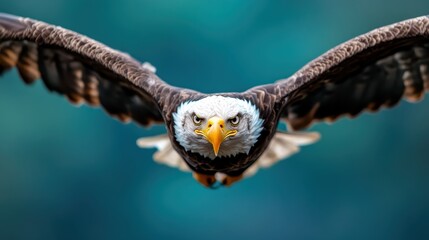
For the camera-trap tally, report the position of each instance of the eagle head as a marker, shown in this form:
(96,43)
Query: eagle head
(217,126)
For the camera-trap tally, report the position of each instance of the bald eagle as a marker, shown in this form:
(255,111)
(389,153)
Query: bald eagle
(223,137)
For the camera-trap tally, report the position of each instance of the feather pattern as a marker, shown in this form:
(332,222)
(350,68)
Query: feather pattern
(165,153)
(282,146)
(82,69)
(370,71)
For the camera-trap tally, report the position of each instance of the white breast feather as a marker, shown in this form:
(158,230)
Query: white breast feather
(165,154)
(282,146)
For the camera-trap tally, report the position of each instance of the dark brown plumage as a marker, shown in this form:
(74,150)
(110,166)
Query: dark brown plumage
(368,72)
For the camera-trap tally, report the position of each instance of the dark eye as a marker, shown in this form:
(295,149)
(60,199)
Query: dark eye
(235,120)
(197,120)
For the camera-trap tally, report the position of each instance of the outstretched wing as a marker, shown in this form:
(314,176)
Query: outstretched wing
(80,68)
(370,71)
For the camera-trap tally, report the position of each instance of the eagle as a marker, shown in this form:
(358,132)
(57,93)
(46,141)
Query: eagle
(224,137)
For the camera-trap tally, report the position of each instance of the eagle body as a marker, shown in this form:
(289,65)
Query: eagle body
(224,137)
(231,165)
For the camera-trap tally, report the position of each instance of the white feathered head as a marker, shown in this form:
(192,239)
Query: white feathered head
(217,126)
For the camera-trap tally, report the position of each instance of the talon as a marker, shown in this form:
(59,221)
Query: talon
(229,180)
(206,180)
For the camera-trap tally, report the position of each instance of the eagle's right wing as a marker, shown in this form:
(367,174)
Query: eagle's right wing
(81,69)
(368,72)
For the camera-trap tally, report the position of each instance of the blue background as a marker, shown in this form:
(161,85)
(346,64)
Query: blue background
(75,173)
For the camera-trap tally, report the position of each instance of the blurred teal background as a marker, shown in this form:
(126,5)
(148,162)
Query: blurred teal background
(75,173)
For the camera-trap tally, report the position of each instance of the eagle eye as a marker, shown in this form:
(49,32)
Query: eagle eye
(197,120)
(235,120)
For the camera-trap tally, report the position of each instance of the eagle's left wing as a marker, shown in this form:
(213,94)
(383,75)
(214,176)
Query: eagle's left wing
(83,70)
(370,71)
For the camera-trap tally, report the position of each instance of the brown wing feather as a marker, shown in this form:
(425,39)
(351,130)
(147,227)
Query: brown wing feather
(81,69)
(376,84)
(370,71)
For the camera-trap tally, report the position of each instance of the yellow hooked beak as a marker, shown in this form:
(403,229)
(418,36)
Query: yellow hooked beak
(216,133)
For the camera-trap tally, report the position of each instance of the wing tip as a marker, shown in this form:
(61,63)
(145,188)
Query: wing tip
(11,22)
